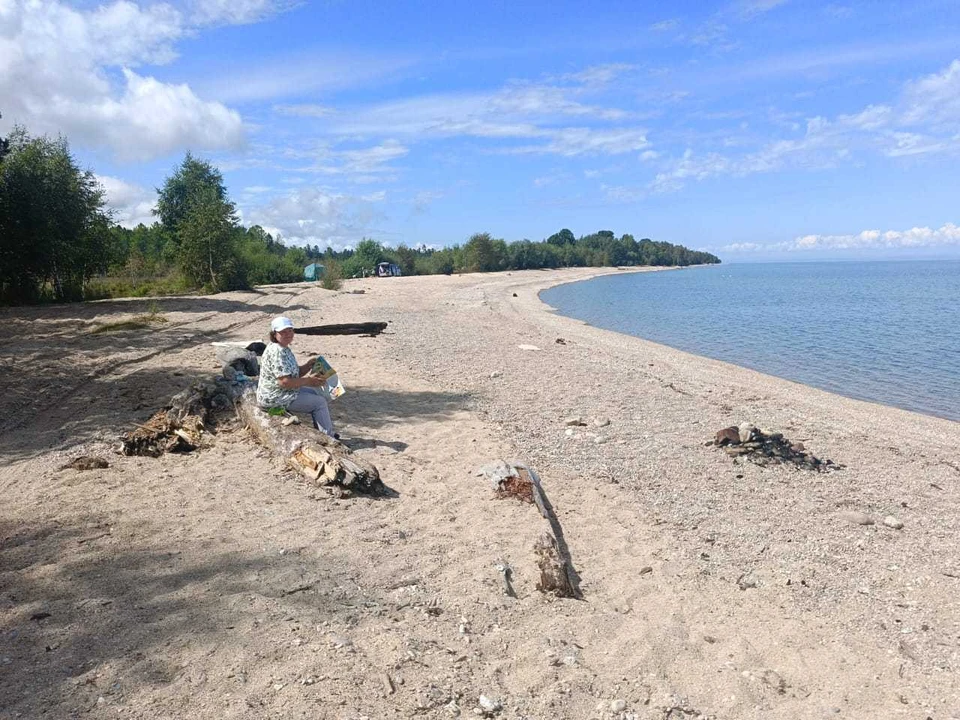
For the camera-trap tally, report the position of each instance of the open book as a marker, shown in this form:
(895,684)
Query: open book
(332,387)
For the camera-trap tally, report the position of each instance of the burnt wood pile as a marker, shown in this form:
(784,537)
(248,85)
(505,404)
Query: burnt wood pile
(763,447)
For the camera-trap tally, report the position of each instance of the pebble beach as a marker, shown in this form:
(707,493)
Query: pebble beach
(218,584)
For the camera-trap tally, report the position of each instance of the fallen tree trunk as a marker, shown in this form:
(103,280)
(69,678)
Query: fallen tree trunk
(318,457)
(370,329)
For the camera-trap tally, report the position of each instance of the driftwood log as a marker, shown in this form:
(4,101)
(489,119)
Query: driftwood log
(557,575)
(371,329)
(180,425)
(321,459)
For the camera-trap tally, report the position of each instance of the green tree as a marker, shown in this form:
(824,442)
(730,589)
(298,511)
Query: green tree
(54,231)
(364,259)
(564,237)
(481,254)
(406,258)
(192,179)
(207,252)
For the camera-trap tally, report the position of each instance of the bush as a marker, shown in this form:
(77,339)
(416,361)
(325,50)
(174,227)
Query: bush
(332,276)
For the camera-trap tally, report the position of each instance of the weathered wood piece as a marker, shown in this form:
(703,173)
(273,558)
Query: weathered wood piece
(371,329)
(557,575)
(556,568)
(179,426)
(318,457)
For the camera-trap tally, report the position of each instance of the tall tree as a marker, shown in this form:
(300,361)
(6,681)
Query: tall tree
(207,253)
(53,227)
(191,180)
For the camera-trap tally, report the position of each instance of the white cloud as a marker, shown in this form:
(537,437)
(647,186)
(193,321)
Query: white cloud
(918,237)
(70,71)
(359,164)
(925,119)
(304,110)
(947,235)
(518,111)
(934,99)
(296,74)
(234,12)
(316,216)
(623,193)
(131,204)
(750,8)
(596,77)
(665,25)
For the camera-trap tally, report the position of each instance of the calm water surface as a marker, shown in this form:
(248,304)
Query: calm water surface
(887,332)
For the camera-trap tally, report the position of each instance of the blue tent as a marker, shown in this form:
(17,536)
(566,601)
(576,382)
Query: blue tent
(313,271)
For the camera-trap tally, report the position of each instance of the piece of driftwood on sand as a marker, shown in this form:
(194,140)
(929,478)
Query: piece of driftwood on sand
(371,329)
(318,457)
(180,427)
(557,575)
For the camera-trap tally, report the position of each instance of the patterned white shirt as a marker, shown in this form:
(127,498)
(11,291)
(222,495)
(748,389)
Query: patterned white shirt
(276,362)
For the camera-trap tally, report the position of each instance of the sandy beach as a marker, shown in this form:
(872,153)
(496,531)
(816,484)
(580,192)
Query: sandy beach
(218,584)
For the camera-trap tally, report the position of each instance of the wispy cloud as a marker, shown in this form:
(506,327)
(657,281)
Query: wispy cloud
(924,119)
(947,235)
(751,8)
(306,110)
(299,73)
(235,12)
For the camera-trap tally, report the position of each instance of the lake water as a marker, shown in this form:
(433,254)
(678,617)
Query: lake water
(887,332)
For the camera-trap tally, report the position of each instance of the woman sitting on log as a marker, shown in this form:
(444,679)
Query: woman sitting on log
(285,384)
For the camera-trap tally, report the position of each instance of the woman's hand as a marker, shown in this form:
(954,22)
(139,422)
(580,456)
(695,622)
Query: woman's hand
(307,366)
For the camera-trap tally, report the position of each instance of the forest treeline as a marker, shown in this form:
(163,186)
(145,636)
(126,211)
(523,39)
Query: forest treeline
(59,242)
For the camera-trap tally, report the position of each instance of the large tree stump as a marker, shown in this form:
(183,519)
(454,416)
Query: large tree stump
(318,457)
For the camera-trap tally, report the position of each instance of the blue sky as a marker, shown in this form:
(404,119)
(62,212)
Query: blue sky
(755,129)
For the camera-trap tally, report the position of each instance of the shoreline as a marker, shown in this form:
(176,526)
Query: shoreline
(835,392)
(717,586)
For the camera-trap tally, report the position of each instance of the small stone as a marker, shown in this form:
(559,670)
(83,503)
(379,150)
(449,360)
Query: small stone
(489,704)
(601,422)
(891,522)
(746,582)
(339,641)
(570,432)
(528,347)
(728,436)
(618,706)
(856,517)
(746,432)
(599,439)
(574,421)
(646,570)
(496,374)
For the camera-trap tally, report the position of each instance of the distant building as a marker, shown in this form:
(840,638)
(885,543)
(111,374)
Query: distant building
(388,269)
(313,271)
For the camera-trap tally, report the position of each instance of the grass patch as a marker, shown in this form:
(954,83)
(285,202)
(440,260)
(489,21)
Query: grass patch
(151,317)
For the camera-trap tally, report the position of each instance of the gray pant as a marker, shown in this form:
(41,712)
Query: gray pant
(309,400)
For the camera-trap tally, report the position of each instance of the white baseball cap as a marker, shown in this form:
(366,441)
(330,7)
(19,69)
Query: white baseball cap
(281,323)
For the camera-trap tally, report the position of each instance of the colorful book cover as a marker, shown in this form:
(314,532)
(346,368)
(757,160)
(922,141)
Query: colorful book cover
(332,388)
